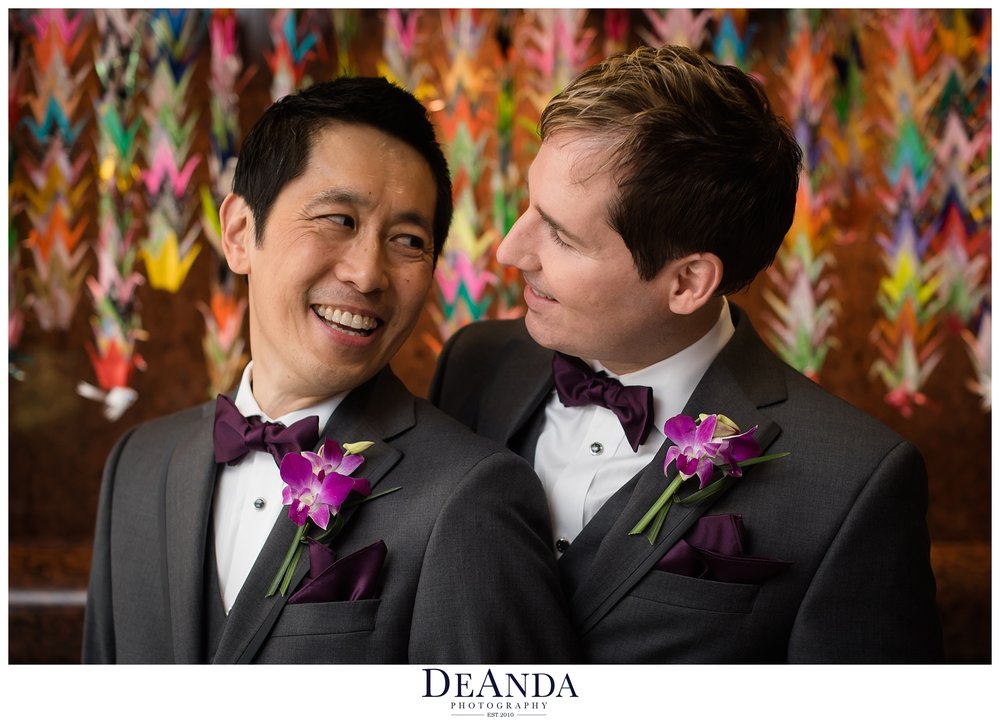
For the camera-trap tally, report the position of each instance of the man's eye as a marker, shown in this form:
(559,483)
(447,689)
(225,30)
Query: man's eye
(340,219)
(554,234)
(414,242)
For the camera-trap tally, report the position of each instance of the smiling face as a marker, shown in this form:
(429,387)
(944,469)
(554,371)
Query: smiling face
(343,268)
(583,292)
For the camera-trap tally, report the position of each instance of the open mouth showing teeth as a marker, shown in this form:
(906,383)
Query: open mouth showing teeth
(541,295)
(346,321)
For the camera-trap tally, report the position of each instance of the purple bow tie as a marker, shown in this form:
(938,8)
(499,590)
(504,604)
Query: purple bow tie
(580,385)
(235,435)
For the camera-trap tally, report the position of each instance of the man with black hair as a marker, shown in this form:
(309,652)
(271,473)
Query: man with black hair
(341,203)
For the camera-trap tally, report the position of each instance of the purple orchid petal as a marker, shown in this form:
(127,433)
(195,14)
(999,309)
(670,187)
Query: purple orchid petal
(742,447)
(315,460)
(332,453)
(687,466)
(298,513)
(704,471)
(706,431)
(295,470)
(711,448)
(349,464)
(336,488)
(320,514)
(672,453)
(679,429)
(362,487)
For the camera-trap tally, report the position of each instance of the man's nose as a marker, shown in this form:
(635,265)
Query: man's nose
(363,266)
(518,246)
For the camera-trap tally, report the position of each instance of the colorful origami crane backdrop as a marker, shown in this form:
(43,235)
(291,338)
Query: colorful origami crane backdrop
(125,126)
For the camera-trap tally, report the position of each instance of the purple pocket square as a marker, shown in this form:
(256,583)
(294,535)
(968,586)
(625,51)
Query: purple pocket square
(356,576)
(713,549)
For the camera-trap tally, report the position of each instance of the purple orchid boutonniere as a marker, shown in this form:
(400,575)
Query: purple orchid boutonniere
(700,447)
(317,487)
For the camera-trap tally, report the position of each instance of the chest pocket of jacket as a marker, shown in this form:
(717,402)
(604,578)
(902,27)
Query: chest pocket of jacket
(326,618)
(700,594)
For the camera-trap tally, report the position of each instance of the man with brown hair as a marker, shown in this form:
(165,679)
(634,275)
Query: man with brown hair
(664,181)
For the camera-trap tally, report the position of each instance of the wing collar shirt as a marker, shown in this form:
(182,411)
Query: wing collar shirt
(248,496)
(582,456)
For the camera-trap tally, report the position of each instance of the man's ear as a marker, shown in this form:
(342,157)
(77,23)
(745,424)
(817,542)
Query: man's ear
(237,231)
(693,281)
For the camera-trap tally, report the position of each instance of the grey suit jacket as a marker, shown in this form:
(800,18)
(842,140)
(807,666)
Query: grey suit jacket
(468,577)
(847,508)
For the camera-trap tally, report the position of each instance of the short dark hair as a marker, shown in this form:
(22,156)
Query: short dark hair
(701,161)
(277,148)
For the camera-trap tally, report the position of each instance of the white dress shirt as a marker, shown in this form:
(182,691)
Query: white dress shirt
(248,496)
(583,457)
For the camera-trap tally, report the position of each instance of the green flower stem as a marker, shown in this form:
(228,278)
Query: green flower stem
(654,510)
(332,531)
(762,459)
(720,484)
(284,576)
(290,570)
(708,492)
(363,499)
(654,530)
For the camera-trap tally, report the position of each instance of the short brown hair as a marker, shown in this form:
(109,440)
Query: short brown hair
(701,160)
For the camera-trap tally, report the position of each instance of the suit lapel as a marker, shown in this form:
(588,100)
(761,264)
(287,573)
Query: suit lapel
(376,411)
(253,614)
(622,560)
(188,487)
(523,373)
(743,377)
